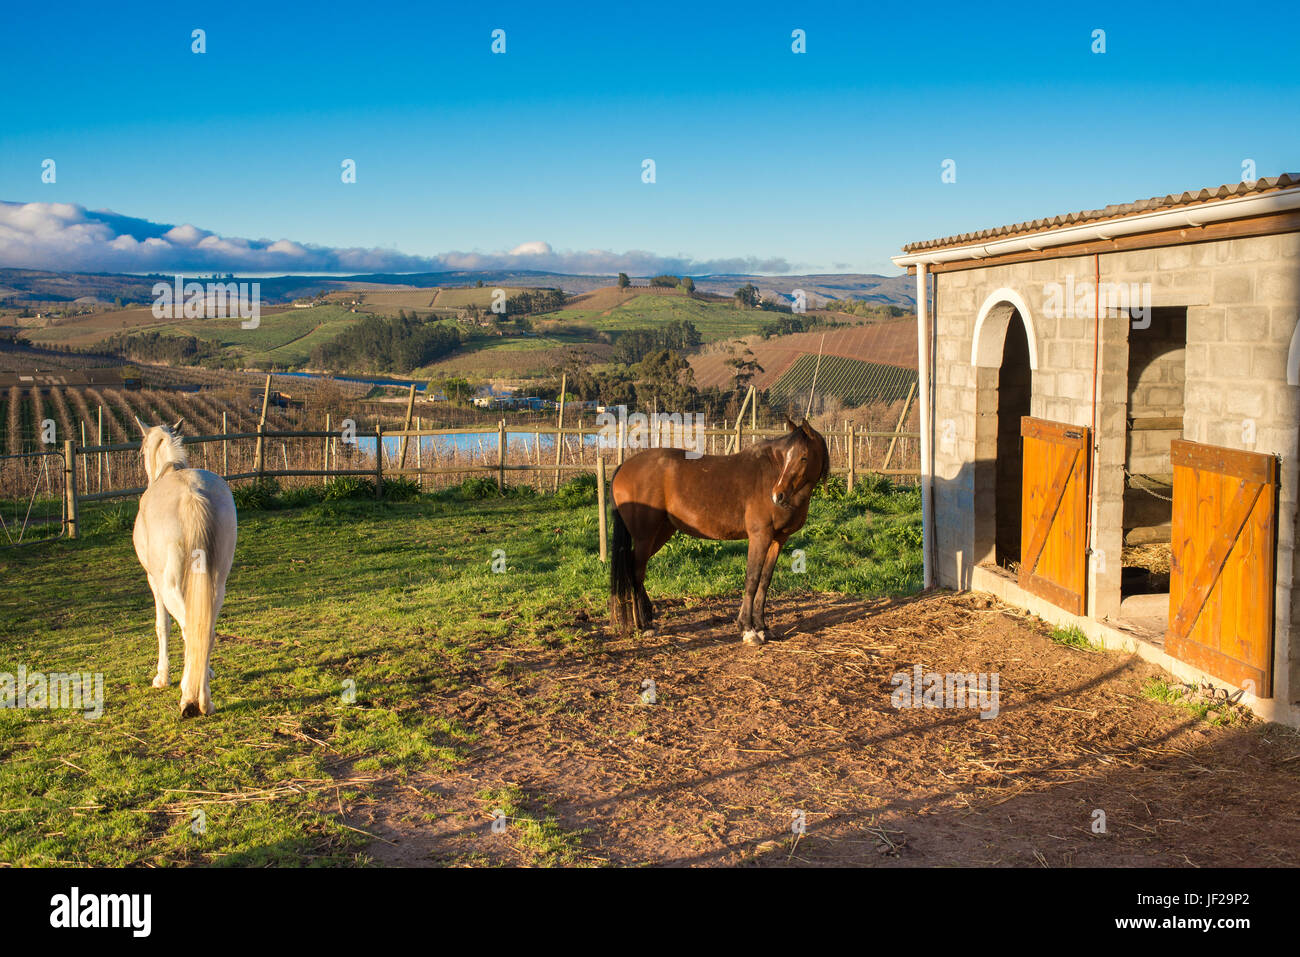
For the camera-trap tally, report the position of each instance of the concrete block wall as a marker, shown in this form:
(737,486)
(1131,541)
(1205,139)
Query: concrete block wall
(1242,298)
(1157,367)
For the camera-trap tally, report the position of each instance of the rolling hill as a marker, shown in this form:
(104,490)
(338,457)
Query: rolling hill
(18,286)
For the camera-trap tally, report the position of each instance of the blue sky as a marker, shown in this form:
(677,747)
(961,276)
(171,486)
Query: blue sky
(825,161)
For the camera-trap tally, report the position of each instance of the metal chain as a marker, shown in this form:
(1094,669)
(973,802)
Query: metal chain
(1142,488)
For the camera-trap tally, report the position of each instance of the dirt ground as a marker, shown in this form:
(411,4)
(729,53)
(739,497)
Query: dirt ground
(743,744)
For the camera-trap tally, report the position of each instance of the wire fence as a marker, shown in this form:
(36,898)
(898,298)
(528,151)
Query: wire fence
(35,511)
(432,458)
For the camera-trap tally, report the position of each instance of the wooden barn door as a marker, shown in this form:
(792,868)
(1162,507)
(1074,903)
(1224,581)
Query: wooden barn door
(1054,512)
(1222,567)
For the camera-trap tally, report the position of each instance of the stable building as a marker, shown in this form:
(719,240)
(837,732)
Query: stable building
(1111,427)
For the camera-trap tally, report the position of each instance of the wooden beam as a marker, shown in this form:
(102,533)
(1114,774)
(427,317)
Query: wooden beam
(1156,423)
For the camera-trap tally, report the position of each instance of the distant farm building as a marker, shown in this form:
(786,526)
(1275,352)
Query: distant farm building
(1111,427)
(101,378)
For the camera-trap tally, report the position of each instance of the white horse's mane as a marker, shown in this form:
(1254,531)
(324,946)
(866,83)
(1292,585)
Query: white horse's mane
(161,447)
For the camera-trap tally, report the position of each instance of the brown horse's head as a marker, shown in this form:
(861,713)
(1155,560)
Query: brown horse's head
(804,460)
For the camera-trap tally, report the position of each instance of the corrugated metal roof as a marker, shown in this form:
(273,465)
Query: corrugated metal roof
(1171,201)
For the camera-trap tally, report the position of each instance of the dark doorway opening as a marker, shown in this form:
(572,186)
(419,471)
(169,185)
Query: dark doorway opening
(1015,387)
(1157,358)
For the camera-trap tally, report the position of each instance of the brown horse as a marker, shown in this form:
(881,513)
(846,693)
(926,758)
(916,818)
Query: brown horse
(761,493)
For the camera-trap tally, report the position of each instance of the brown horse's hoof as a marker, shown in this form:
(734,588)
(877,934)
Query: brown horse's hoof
(752,637)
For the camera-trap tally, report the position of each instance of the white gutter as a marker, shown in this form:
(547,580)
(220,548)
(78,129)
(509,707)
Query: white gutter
(1216,211)
(923,387)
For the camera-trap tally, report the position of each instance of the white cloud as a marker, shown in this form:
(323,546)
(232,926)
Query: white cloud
(69,238)
(535,248)
(186,235)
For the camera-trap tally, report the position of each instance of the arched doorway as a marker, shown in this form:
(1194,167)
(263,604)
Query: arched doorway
(1004,352)
(1015,388)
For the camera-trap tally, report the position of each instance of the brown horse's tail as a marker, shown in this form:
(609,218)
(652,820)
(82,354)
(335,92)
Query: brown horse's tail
(622,578)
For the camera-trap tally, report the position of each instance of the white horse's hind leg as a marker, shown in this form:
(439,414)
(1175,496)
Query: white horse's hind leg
(218,601)
(174,600)
(162,626)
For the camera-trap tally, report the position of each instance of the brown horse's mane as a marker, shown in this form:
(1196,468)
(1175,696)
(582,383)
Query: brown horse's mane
(812,433)
(761,452)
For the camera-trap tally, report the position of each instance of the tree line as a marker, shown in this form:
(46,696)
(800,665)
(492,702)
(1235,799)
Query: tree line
(158,347)
(632,346)
(376,344)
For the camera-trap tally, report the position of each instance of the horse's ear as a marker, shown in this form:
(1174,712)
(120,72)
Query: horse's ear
(144,429)
(177,427)
(806,428)
(789,424)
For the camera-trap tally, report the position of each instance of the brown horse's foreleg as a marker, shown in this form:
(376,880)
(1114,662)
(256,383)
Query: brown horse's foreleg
(764,580)
(645,550)
(758,547)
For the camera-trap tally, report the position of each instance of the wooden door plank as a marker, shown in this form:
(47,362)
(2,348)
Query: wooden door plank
(1053,497)
(1238,513)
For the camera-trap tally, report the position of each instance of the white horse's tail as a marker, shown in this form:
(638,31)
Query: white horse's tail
(200,593)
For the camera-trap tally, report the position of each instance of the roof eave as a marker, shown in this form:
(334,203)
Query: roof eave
(1239,207)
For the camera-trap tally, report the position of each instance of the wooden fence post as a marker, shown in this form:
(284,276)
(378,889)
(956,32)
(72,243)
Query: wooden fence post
(70,485)
(259,464)
(225,463)
(99,459)
(379,460)
(419,452)
(325,454)
(406,427)
(559,424)
(501,456)
(600,502)
(907,405)
(851,437)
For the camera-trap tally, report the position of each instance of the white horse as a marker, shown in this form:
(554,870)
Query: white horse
(185,539)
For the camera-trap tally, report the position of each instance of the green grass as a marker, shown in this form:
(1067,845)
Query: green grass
(1072,637)
(538,836)
(714,320)
(395,599)
(286,338)
(1218,714)
(537,355)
